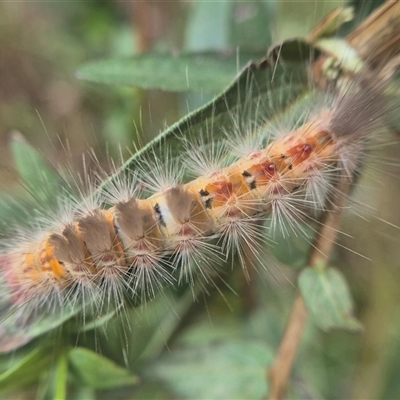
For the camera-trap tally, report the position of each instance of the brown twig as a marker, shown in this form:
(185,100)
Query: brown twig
(320,251)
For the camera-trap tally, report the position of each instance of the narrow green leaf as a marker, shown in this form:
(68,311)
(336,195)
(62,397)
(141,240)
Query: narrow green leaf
(27,370)
(205,72)
(60,379)
(99,372)
(224,370)
(328,299)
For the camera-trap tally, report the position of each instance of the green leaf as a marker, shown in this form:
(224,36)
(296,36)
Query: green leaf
(99,372)
(203,332)
(252,24)
(167,322)
(205,72)
(27,370)
(150,391)
(84,393)
(60,378)
(16,329)
(143,331)
(32,166)
(225,370)
(328,299)
(202,16)
(290,249)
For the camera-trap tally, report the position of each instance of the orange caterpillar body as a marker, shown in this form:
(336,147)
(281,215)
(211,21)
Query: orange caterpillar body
(137,233)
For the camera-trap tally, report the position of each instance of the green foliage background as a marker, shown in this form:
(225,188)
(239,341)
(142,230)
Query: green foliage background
(218,346)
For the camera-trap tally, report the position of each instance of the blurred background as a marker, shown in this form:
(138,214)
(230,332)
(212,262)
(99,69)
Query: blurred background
(42,44)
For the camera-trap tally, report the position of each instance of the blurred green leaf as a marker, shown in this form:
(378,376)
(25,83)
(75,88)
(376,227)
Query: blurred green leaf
(61,378)
(95,320)
(32,166)
(290,249)
(138,334)
(99,372)
(169,322)
(27,370)
(225,327)
(14,334)
(328,299)
(205,72)
(208,25)
(251,24)
(151,391)
(84,393)
(223,370)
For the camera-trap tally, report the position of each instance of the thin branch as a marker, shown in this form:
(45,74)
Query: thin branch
(320,251)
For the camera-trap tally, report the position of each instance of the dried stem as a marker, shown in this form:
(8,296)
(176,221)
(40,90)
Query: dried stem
(320,251)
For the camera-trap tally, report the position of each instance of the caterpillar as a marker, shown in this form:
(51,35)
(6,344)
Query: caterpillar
(124,243)
(139,234)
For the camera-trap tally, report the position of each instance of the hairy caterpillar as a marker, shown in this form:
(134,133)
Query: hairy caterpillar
(152,226)
(123,242)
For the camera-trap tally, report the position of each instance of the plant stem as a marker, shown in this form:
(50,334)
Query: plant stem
(320,252)
(280,371)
